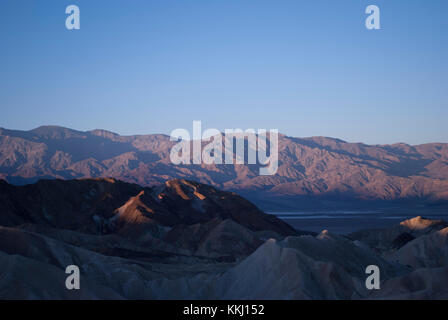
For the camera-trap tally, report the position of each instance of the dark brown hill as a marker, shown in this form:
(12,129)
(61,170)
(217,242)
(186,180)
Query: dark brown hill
(102,206)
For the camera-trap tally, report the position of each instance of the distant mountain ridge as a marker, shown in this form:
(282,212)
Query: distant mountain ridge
(309,168)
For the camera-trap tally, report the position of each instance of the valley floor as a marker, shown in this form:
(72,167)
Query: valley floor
(346,222)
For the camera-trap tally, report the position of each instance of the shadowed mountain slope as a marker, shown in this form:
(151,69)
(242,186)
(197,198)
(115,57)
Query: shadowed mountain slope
(101,206)
(186,240)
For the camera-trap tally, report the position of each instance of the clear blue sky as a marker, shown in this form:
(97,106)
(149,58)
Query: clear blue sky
(304,67)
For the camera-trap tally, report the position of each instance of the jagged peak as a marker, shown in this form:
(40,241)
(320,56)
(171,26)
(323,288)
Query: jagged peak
(419,223)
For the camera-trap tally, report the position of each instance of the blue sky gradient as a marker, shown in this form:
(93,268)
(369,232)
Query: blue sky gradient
(304,67)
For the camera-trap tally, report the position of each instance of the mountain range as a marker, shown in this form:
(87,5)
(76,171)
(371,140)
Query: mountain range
(316,172)
(186,240)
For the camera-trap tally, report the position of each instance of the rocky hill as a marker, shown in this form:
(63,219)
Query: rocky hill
(185,240)
(188,215)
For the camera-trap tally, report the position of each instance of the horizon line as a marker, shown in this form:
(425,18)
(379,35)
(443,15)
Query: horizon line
(168,135)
